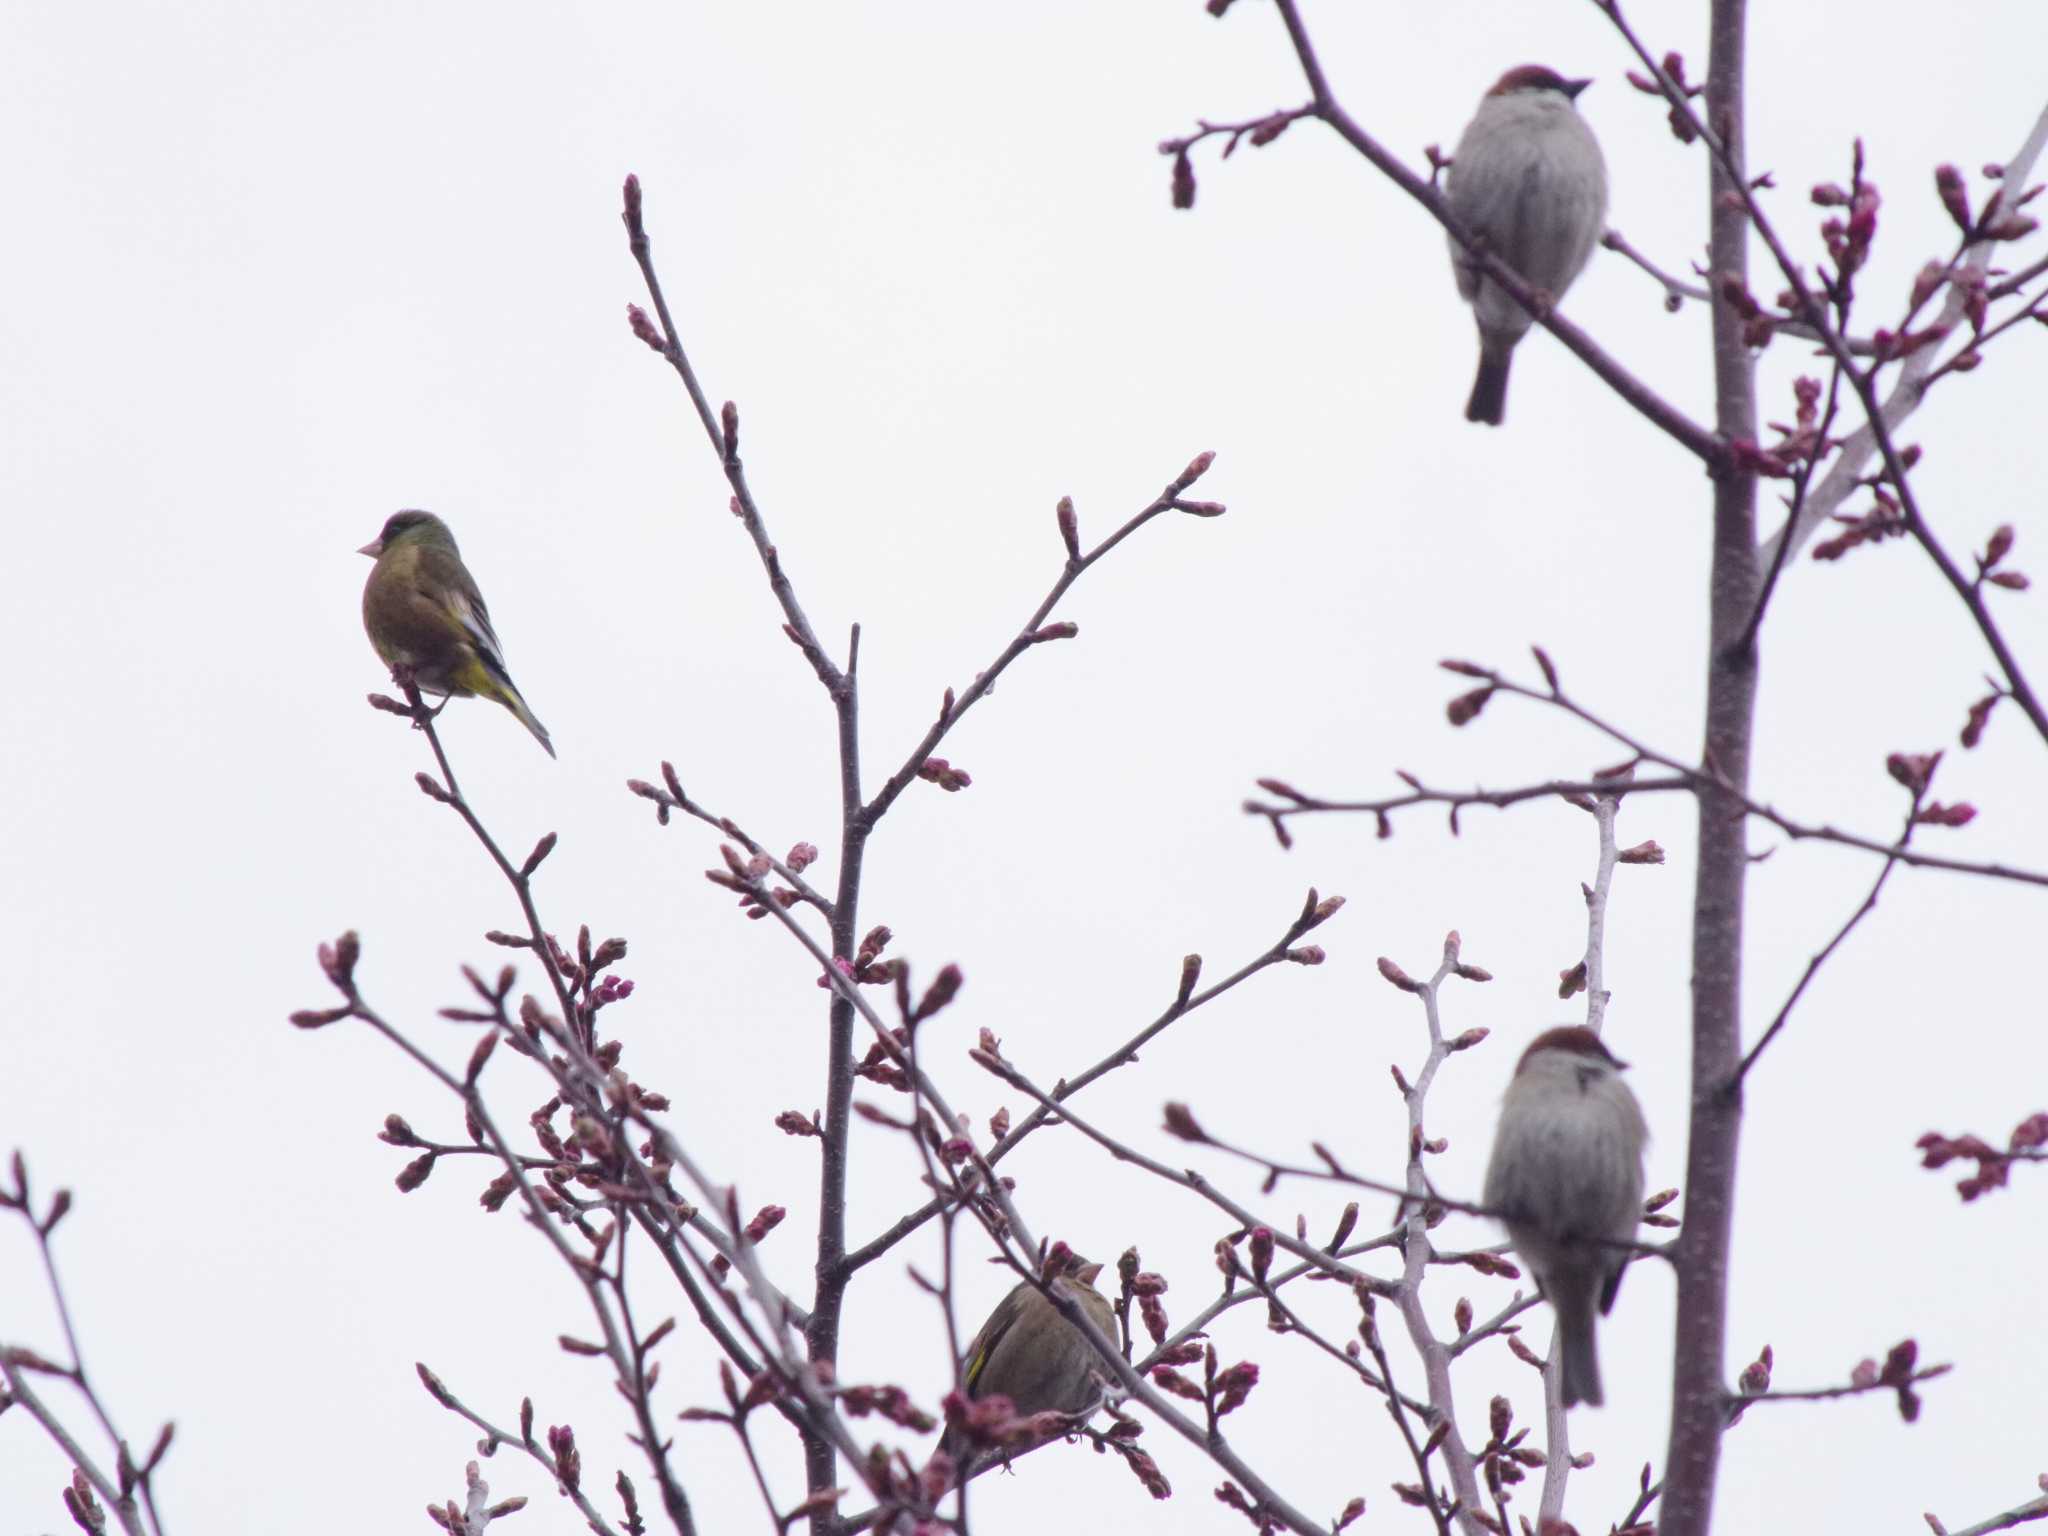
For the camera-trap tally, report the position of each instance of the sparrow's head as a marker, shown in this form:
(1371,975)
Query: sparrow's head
(1571,1043)
(1537,77)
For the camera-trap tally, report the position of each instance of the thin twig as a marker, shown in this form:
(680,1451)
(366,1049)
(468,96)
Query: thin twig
(498,1436)
(119,1492)
(1695,778)
(2021,1514)
(1417,1250)
(724,437)
(1572,791)
(1814,964)
(1676,292)
(1313,914)
(1172,498)
(1829,1394)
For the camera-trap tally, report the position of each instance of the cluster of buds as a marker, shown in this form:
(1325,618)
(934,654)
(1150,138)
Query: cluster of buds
(1121,1437)
(1754,1381)
(1673,66)
(891,1403)
(667,796)
(936,770)
(1219,1391)
(1145,1287)
(338,965)
(1848,235)
(1980,714)
(1994,1165)
(1884,520)
(867,968)
(1996,548)
(745,877)
(883,1065)
(1505,1460)
(1997,222)
(1758,324)
(993,1422)
(1801,443)
(1899,1373)
(1915,772)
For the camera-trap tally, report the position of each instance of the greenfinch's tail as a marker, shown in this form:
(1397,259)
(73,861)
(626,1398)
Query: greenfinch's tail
(511,700)
(487,682)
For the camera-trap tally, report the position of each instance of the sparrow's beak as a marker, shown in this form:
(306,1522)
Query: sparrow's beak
(373,549)
(1573,87)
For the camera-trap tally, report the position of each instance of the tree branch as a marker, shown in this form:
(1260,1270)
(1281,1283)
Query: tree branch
(1700,1337)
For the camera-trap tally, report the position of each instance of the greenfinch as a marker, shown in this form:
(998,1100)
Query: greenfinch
(425,616)
(1033,1356)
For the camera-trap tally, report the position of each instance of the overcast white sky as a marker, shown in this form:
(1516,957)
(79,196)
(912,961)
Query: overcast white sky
(278,270)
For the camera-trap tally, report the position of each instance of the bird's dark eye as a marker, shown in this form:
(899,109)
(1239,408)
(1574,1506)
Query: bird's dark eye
(398,522)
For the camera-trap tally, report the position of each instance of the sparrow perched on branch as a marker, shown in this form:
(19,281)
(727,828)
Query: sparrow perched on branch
(425,616)
(1567,1179)
(1527,179)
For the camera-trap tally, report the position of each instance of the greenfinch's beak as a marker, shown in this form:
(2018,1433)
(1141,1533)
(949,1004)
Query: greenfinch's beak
(373,549)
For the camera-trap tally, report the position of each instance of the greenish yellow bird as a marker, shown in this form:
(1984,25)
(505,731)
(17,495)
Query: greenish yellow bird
(1033,1356)
(424,614)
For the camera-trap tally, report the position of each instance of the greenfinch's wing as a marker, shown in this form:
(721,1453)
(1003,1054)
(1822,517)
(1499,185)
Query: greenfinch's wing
(984,1343)
(444,577)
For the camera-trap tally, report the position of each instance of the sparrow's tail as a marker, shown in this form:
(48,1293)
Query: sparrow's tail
(1489,400)
(1580,1366)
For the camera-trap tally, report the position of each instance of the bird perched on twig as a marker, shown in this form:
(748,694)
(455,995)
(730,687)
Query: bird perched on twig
(1030,1354)
(1528,180)
(1567,1178)
(427,620)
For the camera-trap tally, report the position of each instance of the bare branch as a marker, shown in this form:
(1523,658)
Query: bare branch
(1172,498)
(2018,1515)
(120,1490)
(571,1489)
(1315,912)
(1813,965)
(1695,778)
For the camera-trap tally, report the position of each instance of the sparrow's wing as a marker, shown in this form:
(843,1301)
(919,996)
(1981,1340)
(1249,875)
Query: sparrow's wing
(1613,1285)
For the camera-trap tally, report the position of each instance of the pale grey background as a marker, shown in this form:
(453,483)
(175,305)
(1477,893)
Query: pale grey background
(277,270)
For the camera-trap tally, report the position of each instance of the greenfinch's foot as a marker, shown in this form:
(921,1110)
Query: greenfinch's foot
(407,680)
